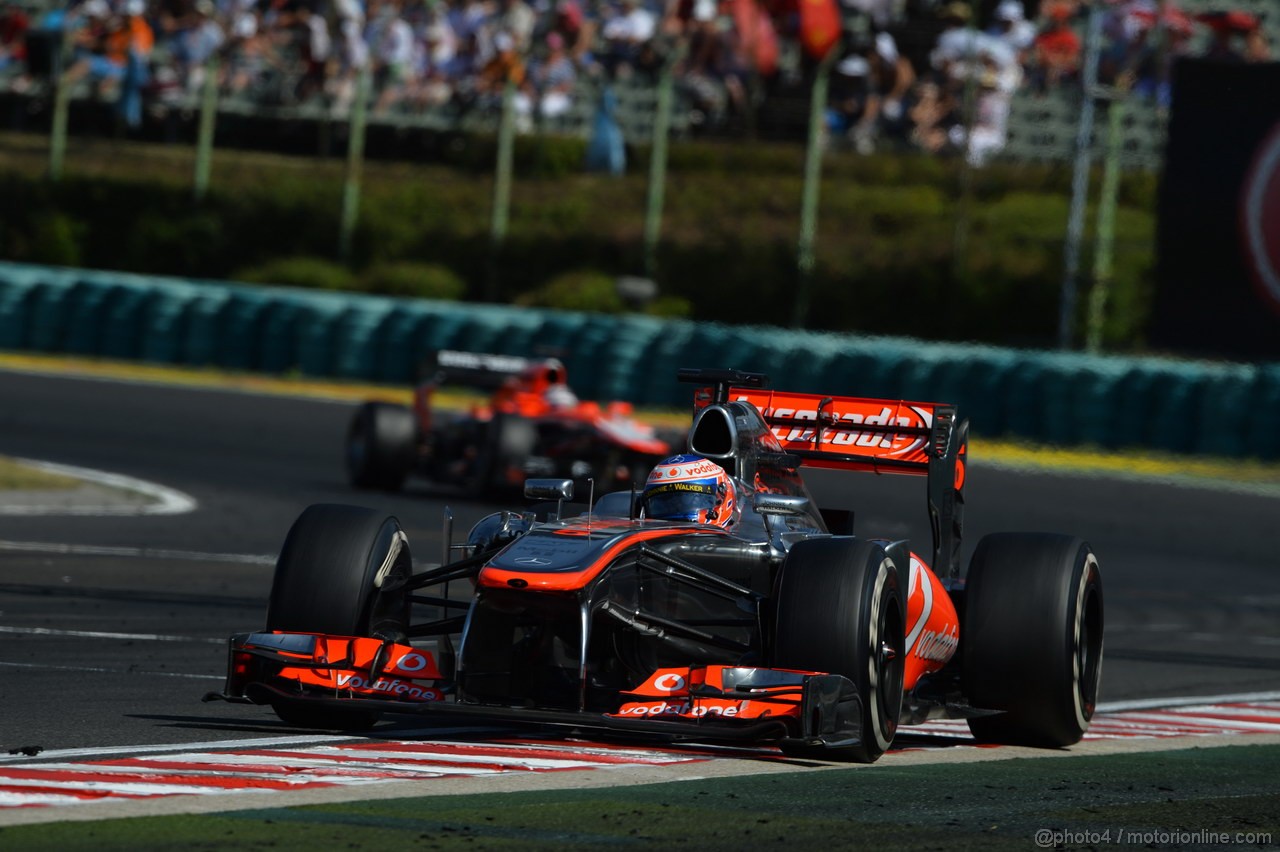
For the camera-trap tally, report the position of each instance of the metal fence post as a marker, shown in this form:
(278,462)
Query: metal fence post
(658,160)
(61,106)
(355,165)
(208,120)
(964,205)
(812,183)
(1106,227)
(1080,180)
(501,186)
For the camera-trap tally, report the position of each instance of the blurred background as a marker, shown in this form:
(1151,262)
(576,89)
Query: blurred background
(1053,175)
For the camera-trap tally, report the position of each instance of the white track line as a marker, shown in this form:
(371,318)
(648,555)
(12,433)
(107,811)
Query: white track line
(164,500)
(134,552)
(253,742)
(97,634)
(1186,701)
(98,670)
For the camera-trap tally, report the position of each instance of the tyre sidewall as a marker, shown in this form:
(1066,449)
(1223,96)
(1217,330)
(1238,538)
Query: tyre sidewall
(835,601)
(1029,599)
(327,576)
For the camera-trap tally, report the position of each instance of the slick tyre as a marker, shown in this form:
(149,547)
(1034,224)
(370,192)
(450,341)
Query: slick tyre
(1031,638)
(509,442)
(344,571)
(840,610)
(381,448)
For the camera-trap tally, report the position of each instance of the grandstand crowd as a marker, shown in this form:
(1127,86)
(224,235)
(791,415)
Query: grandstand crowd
(913,74)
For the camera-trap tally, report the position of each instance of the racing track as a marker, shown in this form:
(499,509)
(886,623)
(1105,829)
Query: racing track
(111,628)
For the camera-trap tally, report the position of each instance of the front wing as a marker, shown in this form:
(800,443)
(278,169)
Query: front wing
(712,702)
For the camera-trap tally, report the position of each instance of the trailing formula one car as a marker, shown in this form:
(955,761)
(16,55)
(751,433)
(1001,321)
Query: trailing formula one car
(532,425)
(720,603)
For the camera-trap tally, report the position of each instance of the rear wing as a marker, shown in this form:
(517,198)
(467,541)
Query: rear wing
(481,370)
(856,433)
(863,434)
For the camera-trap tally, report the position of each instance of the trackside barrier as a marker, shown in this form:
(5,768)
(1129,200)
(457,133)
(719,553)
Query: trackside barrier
(1221,409)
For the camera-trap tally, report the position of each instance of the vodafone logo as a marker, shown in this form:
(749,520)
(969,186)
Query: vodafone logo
(411,662)
(668,683)
(1260,219)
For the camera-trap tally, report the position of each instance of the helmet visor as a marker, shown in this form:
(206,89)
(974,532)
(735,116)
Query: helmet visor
(680,501)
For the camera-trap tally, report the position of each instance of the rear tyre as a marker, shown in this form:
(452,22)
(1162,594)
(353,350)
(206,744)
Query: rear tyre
(840,610)
(508,444)
(343,571)
(1031,638)
(382,443)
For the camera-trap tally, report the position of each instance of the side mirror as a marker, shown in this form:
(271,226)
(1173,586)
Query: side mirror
(548,489)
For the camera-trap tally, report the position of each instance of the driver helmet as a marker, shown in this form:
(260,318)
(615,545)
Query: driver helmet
(689,488)
(560,396)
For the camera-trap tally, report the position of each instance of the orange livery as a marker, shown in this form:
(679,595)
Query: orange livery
(719,603)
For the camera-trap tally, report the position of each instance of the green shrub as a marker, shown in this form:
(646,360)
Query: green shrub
(583,290)
(671,307)
(51,238)
(883,264)
(410,278)
(312,272)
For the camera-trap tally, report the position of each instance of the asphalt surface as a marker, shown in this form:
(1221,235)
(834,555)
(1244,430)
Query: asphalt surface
(112,628)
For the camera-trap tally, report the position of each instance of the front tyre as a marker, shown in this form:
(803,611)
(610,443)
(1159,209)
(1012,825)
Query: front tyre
(1031,638)
(840,610)
(343,571)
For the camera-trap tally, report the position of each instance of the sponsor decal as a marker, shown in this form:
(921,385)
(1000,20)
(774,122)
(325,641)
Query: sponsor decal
(668,683)
(532,560)
(938,645)
(682,470)
(411,662)
(393,686)
(681,708)
(839,435)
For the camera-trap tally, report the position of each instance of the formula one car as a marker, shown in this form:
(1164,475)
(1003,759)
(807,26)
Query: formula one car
(532,425)
(767,621)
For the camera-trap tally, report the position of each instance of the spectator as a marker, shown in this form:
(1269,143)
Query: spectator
(192,40)
(1230,41)
(503,66)
(623,34)
(1012,28)
(433,84)
(578,32)
(515,18)
(1256,48)
(351,56)
(548,88)
(883,13)
(869,89)
(390,40)
(990,124)
(934,117)
(14,24)
(1056,50)
(317,50)
(106,45)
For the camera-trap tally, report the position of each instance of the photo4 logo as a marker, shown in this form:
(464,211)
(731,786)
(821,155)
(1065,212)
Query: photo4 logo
(1260,219)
